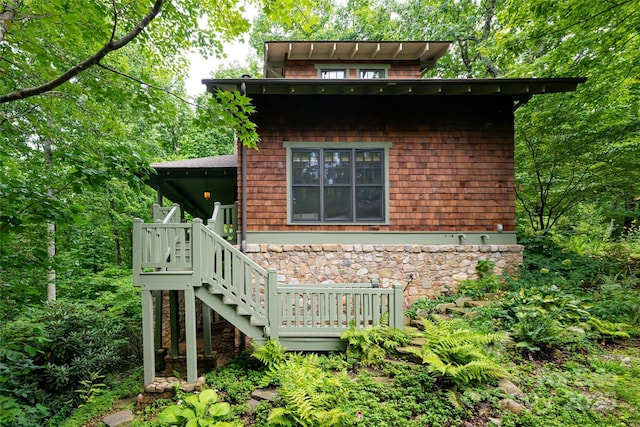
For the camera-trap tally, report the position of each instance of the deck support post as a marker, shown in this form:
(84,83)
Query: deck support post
(174,322)
(190,334)
(158,317)
(206,329)
(148,348)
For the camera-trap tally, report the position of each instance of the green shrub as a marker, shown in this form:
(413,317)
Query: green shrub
(50,352)
(487,281)
(198,410)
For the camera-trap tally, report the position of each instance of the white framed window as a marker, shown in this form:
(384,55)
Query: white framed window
(372,73)
(333,73)
(359,71)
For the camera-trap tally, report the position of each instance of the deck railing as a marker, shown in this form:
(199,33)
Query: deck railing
(237,276)
(171,255)
(224,221)
(166,214)
(330,309)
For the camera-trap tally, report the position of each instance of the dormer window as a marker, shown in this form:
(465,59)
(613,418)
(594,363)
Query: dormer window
(373,73)
(352,71)
(328,73)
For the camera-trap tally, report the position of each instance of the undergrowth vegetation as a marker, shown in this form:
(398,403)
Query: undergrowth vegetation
(556,344)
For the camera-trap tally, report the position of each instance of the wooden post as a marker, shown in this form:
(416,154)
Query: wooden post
(190,333)
(174,322)
(206,328)
(398,311)
(271,303)
(147,338)
(196,251)
(158,321)
(136,251)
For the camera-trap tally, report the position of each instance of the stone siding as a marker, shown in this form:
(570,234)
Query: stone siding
(425,270)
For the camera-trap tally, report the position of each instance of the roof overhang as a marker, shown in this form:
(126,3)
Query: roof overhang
(519,89)
(185,181)
(426,52)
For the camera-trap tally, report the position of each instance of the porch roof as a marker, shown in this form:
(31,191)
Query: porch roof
(185,181)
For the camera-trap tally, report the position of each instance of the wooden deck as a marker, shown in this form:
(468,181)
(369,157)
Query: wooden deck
(202,262)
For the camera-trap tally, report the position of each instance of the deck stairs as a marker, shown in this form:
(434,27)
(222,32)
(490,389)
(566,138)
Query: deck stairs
(203,262)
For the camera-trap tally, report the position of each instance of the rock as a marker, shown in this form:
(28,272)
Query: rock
(510,388)
(495,421)
(511,406)
(252,405)
(265,394)
(442,308)
(461,302)
(118,418)
(481,303)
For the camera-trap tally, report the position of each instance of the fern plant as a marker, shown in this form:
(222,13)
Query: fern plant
(457,353)
(311,397)
(610,330)
(271,354)
(371,345)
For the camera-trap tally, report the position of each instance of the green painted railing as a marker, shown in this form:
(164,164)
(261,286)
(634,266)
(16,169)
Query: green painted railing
(233,274)
(166,214)
(224,221)
(329,309)
(171,255)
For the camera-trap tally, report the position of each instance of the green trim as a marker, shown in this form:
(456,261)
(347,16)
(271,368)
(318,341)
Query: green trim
(380,237)
(288,145)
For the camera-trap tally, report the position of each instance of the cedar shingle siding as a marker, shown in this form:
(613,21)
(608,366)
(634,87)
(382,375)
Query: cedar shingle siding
(451,163)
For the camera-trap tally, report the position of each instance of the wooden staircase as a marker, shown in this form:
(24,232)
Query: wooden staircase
(169,255)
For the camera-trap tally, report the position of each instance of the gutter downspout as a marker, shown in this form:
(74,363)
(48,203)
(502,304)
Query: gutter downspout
(243,243)
(243,234)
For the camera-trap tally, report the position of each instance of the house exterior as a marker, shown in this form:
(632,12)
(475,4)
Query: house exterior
(426,169)
(365,171)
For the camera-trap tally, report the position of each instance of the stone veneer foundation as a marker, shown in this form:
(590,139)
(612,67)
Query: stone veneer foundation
(425,270)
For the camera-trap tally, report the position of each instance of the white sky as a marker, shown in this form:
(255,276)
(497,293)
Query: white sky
(202,68)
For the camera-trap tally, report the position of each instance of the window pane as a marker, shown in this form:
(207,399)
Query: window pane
(372,74)
(369,204)
(332,74)
(337,204)
(306,203)
(369,167)
(337,167)
(306,167)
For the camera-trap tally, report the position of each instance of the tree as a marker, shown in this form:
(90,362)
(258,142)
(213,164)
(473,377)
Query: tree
(84,85)
(580,148)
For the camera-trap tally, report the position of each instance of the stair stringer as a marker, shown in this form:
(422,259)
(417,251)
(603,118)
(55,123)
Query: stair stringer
(229,313)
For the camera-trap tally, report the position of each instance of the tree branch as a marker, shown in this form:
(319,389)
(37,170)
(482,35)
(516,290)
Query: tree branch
(110,46)
(137,80)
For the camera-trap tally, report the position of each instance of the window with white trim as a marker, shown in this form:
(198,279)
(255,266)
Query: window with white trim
(333,73)
(337,185)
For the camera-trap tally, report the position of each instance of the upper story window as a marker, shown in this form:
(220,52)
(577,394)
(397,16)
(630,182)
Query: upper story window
(337,184)
(358,71)
(333,73)
(373,73)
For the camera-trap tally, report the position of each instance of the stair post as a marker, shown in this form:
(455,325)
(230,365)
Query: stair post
(398,311)
(271,302)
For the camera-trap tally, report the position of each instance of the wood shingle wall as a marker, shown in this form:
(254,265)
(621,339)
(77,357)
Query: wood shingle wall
(451,164)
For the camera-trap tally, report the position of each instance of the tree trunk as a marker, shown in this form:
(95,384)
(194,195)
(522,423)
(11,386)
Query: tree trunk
(51,232)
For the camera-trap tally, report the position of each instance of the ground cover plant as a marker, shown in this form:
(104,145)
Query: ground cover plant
(557,344)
